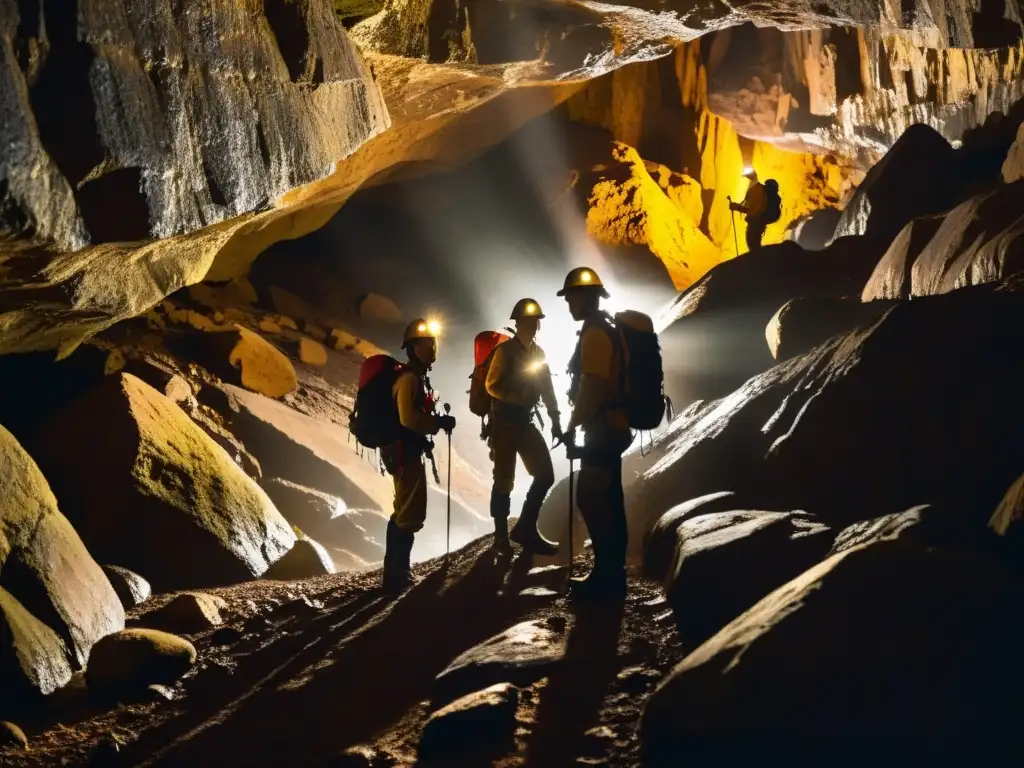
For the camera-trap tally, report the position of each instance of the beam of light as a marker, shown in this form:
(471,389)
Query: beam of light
(433,326)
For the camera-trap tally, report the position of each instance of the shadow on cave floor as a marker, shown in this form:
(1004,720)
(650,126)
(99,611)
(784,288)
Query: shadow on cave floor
(351,680)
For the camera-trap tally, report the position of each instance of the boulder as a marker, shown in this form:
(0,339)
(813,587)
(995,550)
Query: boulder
(483,722)
(312,352)
(12,736)
(148,490)
(305,560)
(131,588)
(803,323)
(888,649)
(267,325)
(872,422)
(520,655)
(726,562)
(373,306)
(660,544)
(343,341)
(721,319)
(55,601)
(926,525)
(1013,166)
(919,175)
(238,355)
(187,614)
(891,277)
(309,509)
(134,659)
(316,454)
(290,304)
(979,241)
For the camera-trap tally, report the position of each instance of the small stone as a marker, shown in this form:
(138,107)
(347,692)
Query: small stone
(483,720)
(12,735)
(160,692)
(269,326)
(305,560)
(188,613)
(540,592)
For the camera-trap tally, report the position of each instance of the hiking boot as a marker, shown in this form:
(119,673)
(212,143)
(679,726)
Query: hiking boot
(526,535)
(599,586)
(501,542)
(525,532)
(397,555)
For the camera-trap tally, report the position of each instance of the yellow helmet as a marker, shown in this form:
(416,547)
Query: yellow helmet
(526,308)
(583,278)
(420,329)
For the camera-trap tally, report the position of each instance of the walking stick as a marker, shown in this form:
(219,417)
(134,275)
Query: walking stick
(448,542)
(735,237)
(571,510)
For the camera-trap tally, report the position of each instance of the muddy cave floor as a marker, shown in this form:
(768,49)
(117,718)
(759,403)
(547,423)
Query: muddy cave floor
(301,672)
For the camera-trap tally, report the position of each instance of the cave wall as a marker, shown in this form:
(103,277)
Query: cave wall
(661,109)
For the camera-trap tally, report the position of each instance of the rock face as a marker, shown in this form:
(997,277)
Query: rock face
(979,241)
(889,642)
(661,544)
(803,323)
(133,113)
(128,460)
(721,319)
(726,562)
(925,525)
(896,400)
(55,601)
(134,659)
(918,176)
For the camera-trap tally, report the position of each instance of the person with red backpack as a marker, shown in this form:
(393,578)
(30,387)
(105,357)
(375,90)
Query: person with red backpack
(394,413)
(617,386)
(517,378)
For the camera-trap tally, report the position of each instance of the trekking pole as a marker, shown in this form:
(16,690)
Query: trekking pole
(735,237)
(448,542)
(568,578)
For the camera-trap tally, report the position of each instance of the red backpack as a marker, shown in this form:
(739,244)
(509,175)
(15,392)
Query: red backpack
(374,421)
(484,345)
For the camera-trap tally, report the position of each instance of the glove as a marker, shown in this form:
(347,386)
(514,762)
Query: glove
(446,423)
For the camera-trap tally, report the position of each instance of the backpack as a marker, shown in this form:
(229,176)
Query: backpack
(483,352)
(374,421)
(772,202)
(641,389)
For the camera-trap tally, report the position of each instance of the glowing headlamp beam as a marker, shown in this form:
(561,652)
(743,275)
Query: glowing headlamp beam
(434,327)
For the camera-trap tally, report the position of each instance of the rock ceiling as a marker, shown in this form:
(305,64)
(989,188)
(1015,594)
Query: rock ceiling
(152,144)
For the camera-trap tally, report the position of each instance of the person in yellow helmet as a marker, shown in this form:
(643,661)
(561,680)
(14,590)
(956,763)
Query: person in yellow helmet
(753,207)
(517,378)
(595,369)
(404,460)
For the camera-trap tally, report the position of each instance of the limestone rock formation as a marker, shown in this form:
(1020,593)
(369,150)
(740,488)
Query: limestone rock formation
(926,525)
(12,735)
(131,589)
(897,399)
(133,659)
(891,278)
(55,601)
(745,555)
(1010,509)
(312,511)
(660,544)
(888,642)
(126,459)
